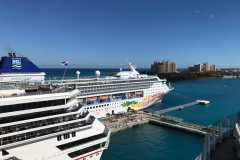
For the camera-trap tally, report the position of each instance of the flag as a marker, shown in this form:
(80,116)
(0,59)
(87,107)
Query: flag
(65,63)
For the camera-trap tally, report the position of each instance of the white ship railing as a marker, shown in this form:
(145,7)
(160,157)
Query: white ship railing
(219,130)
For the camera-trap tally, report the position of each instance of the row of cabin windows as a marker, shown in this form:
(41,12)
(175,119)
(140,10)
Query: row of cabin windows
(35,124)
(118,83)
(98,106)
(81,141)
(31,105)
(66,136)
(86,150)
(42,132)
(123,86)
(31,116)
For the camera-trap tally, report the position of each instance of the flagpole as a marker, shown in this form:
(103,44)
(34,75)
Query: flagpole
(64,74)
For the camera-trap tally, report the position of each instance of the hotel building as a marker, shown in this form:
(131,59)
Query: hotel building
(205,67)
(164,67)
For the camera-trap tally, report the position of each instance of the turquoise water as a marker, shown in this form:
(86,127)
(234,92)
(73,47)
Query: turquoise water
(156,142)
(153,142)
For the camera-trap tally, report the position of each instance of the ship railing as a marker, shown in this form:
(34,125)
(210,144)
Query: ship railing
(40,123)
(109,90)
(27,136)
(3,121)
(215,134)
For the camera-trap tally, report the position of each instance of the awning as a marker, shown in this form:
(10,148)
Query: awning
(91,98)
(80,99)
(138,92)
(103,97)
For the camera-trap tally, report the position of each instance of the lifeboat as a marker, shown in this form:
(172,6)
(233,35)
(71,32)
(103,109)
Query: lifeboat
(103,97)
(138,92)
(80,99)
(132,93)
(91,98)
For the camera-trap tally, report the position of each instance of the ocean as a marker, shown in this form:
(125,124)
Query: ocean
(153,142)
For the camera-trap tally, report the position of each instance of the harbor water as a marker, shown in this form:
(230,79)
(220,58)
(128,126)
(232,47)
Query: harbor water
(155,142)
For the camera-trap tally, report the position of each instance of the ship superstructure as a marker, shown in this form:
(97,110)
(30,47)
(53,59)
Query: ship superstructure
(46,122)
(15,67)
(115,94)
(100,96)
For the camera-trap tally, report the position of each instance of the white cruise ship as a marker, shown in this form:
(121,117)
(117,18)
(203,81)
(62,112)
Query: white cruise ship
(116,94)
(46,122)
(100,96)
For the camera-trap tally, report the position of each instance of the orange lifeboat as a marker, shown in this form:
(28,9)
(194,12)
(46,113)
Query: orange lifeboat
(138,92)
(103,97)
(91,98)
(80,99)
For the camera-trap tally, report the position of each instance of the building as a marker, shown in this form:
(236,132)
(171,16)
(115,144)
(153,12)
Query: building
(205,67)
(164,67)
(195,68)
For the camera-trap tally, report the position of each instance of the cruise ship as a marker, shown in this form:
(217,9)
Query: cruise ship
(100,96)
(46,122)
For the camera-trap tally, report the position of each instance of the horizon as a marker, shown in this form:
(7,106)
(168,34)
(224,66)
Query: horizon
(93,33)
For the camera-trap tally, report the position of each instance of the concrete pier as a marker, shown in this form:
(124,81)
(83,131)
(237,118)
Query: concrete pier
(125,122)
(182,106)
(188,127)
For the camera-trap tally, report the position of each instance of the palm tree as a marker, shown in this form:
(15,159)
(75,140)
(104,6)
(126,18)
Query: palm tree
(134,112)
(116,116)
(129,108)
(108,115)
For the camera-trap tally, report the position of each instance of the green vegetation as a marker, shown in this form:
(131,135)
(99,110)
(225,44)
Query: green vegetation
(129,103)
(173,77)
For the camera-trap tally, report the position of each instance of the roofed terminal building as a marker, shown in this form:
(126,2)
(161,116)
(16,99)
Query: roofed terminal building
(164,67)
(202,68)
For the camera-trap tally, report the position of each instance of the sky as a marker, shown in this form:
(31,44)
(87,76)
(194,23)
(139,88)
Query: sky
(104,33)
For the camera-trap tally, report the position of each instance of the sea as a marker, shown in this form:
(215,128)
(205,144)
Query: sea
(154,142)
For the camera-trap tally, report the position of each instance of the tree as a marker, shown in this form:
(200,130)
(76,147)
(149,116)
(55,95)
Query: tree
(108,115)
(134,112)
(116,116)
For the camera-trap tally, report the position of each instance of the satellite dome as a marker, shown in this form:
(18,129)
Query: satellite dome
(77,73)
(97,73)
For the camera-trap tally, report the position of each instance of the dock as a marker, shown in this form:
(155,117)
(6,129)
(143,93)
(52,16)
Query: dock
(185,126)
(182,106)
(143,118)
(115,124)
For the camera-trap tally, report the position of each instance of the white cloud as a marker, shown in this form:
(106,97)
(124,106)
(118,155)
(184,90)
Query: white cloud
(197,11)
(211,16)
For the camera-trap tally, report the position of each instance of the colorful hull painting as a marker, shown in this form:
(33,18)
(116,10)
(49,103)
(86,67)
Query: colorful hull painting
(142,103)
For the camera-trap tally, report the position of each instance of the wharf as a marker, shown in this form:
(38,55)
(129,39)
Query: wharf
(115,124)
(185,126)
(182,106)
(125,122)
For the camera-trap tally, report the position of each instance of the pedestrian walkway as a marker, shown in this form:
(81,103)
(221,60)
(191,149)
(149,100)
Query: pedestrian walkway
(182,106)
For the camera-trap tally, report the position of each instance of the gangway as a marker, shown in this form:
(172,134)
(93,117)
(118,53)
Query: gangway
(182,106)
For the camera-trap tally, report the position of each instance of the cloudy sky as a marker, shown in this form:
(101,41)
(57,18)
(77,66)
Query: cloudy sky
(93,33)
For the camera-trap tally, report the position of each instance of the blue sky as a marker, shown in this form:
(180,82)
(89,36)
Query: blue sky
(93,33)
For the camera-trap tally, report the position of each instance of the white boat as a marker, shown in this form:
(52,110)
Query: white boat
(117,93)
(46,122)
(111,94)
